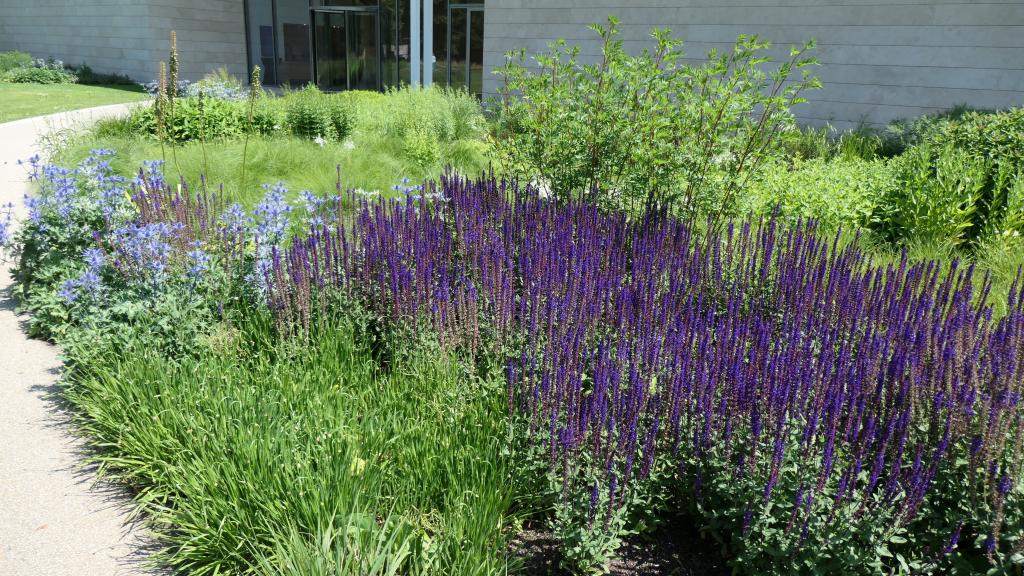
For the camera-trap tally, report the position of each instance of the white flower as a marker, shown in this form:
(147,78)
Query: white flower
(319,140)
(349,145)
(542,186)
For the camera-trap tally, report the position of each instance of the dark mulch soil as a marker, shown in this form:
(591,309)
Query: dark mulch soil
(675,550)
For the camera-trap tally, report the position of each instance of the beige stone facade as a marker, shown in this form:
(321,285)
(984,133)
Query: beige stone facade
(128,37)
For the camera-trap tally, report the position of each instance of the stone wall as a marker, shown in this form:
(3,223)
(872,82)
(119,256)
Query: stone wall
(128,37)
(880,61)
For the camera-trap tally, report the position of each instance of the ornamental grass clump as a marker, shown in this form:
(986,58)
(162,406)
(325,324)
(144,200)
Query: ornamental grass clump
(815,411)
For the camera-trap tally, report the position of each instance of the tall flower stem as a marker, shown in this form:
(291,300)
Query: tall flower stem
(254,90)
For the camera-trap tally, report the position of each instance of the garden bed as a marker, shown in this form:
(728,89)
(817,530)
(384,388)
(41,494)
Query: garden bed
(588,361)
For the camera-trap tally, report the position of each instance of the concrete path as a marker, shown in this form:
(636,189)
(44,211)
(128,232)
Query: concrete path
(55,520)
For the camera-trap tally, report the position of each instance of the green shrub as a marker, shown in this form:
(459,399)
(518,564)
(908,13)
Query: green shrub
(836,193)
(86,75)
(33,75)
(212,119)
(904,133)
(960,183)
(14,59)
(433,125)
(936,196)
(313,114)
(647,131)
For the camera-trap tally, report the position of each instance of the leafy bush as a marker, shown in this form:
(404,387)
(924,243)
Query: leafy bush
(34,75)
(220,85)
(14,59)
(434,126)
(206,118)
(313,114)
(647,131)
(832,192)
(960,183)
(902,134)
(86,75)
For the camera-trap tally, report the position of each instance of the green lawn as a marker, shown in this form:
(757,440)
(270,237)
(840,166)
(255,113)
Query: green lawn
(25,100)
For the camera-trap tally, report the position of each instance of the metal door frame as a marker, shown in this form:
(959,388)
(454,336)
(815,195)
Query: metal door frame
(469,8)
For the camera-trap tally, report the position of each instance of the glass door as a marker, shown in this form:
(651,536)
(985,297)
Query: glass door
(363,51)
(347,47)
(466,47)
(331,50)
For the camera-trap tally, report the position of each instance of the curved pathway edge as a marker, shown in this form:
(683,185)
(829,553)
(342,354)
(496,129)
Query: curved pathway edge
(55,518)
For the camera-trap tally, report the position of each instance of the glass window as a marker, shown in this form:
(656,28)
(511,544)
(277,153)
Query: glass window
(476,52)
(343,3)
(391,28)
(260,14)
(466,47)
(441,42)
(294,60)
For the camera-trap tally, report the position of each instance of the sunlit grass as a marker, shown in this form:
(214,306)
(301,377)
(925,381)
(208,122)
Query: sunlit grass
(26,100)
(372,164)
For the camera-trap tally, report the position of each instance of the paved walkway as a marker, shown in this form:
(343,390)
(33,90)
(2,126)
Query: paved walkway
(54,520)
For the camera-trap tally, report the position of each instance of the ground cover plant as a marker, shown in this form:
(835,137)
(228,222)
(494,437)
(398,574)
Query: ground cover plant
(20,68)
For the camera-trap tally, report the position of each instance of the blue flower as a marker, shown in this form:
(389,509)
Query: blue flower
(67,291)
(6,220)
(94,258)
(91,283)
(271,223)
(144,250)
(198,262)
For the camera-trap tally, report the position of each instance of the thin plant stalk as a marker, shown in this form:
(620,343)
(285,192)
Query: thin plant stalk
(254,89)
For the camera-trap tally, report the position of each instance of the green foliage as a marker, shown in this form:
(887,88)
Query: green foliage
(33,75)
(304,457)
(935,198)
(386,143)
(834,192)
(221,77)
(14,59)
(647,131)
(20,68)
(901,134)
(212,119)
(86,75)
(313,114)
(354,546)
(960,183)
(437,126)
(809,143)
